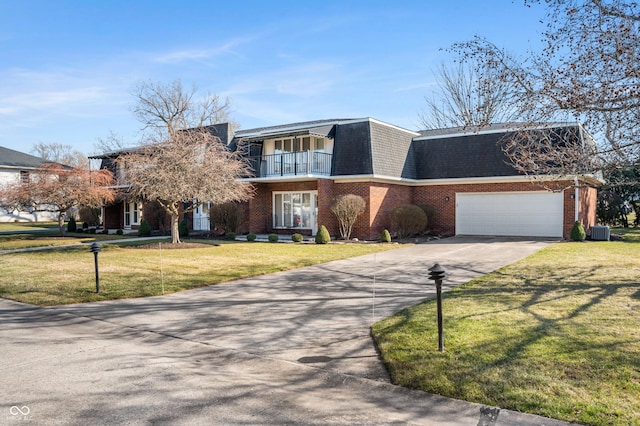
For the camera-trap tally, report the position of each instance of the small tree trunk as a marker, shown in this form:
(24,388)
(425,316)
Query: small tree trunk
(175,231)
(61,223)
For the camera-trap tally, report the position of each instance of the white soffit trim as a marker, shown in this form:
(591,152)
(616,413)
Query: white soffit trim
(428,182)
(278,179)
(373,120)
(489,131)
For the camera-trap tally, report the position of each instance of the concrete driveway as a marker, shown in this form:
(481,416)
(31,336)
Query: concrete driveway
(285,348)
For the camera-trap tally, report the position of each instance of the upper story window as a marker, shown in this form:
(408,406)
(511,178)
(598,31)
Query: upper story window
(299,144)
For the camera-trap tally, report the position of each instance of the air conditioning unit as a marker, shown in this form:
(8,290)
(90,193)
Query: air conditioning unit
(600,233)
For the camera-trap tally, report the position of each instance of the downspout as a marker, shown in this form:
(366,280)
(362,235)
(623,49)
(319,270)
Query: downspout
(576,198)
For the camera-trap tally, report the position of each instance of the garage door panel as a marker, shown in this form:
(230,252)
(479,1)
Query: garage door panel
(513,213)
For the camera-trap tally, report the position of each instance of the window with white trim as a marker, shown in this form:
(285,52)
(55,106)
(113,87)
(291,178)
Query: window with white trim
(295,209)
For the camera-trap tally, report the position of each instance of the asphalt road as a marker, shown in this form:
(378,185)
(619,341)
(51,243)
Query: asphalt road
(285,348)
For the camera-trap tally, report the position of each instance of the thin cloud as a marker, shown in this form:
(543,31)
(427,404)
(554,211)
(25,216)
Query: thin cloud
(187,55)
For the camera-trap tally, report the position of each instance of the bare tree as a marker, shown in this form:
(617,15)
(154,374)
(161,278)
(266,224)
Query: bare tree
(57,189)
(111,143)
(588,71)
(468,96)
(183,172)
(61,153)
(181,165)
(551,156)
(166,109)
(347,208)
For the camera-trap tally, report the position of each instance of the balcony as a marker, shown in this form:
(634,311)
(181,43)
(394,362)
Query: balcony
(303,163)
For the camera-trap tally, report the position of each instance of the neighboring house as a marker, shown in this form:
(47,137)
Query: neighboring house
(123,213)
(299,170)
(17,166)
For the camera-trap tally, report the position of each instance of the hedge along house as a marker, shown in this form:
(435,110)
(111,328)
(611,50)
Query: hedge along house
(299,170)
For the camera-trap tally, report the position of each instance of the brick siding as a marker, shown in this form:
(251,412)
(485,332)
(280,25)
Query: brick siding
(381,198)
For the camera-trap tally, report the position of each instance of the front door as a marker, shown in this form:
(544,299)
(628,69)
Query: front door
(132,213)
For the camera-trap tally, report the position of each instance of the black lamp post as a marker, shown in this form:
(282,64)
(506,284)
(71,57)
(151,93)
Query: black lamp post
(437,273)
(95,249)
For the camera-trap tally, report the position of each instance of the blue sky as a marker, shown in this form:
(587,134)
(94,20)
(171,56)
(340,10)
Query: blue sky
(67,68)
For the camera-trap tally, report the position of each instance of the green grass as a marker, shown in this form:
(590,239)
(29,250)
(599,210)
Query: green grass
(27,226)
(49,238)
(556,334)
(64,276)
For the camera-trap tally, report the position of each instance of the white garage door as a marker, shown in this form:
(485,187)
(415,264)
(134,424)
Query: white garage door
(534,214)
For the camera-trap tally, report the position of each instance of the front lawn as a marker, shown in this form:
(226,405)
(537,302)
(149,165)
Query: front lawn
(27,226)
(50,238)
(556,334)
(63,276)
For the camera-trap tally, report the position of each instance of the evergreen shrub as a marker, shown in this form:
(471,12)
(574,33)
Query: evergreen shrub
(145,229)
(577,232)
(323,237)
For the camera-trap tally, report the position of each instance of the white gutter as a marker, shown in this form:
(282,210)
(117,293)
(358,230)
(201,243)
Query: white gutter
(576,197)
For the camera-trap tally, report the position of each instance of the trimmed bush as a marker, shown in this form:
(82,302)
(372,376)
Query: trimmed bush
(251,237)
(227,216)
(408,220)
(273,238)
(145,229)
(323,237)
(231,236)
(385,237)
(296,238)
(430,211)
(577,232)
(120,232)
(183,228)
(72,226)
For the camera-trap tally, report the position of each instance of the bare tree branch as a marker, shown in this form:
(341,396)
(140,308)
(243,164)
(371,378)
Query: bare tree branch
(468,96)
(587,71)
(185,171)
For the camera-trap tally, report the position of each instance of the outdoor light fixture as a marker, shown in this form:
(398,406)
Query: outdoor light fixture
(446,198)
(437,274)
(95,249)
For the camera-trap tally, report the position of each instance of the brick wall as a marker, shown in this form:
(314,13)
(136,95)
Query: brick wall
(442,197)
(382,198)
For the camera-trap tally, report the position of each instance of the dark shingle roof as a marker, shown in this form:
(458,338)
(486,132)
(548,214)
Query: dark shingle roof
(471,154)
(12,158)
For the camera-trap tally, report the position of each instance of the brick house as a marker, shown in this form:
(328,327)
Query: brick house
(299,170)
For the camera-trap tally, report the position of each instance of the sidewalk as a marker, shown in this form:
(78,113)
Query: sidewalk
(63,246)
